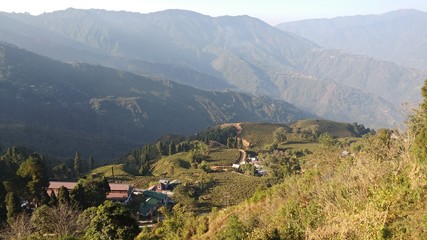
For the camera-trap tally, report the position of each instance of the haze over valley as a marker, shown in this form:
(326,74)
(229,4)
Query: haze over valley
(214,120)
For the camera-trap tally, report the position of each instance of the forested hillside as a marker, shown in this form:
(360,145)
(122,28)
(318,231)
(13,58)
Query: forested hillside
(240,53)
(58,108)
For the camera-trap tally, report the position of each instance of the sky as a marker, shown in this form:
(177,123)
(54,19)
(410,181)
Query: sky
(270,11)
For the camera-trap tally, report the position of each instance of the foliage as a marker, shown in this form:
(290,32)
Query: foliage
(64,196)
(234,230)
(221,157)
(90,192)
(34,174)
(326,140)
(13,206)
(61,221)
(279,135)
(111,221)
(180,223)
(77,164)
(419,127)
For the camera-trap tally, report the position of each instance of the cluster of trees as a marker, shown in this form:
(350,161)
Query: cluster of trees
(138,161)
(27,211)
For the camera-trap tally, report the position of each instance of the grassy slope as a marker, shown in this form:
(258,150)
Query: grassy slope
(336,129)
(380,193)
(259,134)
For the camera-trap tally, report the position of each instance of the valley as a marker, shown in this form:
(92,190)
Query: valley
(179,125)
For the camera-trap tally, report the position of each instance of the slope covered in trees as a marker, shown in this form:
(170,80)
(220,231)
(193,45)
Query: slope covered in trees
(241,53)
(61,108)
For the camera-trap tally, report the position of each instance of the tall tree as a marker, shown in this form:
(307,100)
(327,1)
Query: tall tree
(34,174)
(418,123)
(77,164)
(91,162)
(2,203)
(111,221)
(64,196)
(13,206)
(90,192)
(53,199)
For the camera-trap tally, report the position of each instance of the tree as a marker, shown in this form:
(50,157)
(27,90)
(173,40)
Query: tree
(77,164)
(3,212)
(111,221)
(53,199)
(279,135)
(172,148)
(61,221)
(326,139)
(13,206)
(64,195)
(419,127)
(91,162)
(34,174)
(90,192)
(234,229)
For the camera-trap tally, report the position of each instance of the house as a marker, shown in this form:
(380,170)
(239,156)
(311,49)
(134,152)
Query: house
(54,186)
(154,200)
(236,166)
(148,208)
(119,192)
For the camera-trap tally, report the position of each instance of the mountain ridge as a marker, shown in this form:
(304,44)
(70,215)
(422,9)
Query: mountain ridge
(43,101)
(243,54)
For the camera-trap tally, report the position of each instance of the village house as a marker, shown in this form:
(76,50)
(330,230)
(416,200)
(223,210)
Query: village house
(119,192)
(153,201)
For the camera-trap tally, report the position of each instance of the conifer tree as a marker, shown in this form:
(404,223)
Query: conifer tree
(53,199)
(13,206)
(63,196)
(77,164)
(419,127)
(2,203)
(91,162)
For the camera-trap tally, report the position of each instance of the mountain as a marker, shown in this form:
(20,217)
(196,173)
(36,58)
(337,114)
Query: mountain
(59,108)
(397,36)
(239,53)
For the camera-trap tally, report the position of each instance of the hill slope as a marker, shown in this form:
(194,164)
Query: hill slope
(235,52)
(397,36)
(59,108)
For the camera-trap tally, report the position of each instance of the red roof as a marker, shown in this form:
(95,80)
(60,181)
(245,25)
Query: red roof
(70,185)
(119,187)
(57,185)
(117,196)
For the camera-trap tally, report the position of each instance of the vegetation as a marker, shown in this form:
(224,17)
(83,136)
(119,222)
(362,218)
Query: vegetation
(308,189)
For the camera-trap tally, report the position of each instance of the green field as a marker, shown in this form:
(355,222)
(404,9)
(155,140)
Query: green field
(222,157)
(230,189)
(119,172)
(259,134)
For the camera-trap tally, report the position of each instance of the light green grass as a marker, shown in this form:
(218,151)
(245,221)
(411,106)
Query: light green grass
(259,134)
(119,172)
(223,157)
(230,189)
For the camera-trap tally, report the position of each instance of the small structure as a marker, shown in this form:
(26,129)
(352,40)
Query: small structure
(236,166)
(154,200)
(148,208)
(119,192)
(55,185)
(163,185)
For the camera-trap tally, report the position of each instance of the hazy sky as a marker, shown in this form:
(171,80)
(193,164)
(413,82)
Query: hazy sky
(271,11)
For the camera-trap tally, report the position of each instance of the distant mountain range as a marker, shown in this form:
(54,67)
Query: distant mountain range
(237,53)
(58,108)
(398,36)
